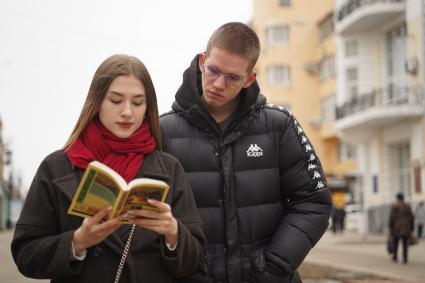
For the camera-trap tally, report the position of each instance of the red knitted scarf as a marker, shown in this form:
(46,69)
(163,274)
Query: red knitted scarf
(124,155)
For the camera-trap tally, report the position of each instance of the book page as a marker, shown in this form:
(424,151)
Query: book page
(96,192)
(138,196)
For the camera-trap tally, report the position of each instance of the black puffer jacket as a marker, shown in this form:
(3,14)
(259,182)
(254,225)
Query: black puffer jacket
(259,185)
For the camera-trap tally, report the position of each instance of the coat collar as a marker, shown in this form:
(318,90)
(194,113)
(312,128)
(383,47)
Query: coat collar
(154,167)
(188,102)
(189,93)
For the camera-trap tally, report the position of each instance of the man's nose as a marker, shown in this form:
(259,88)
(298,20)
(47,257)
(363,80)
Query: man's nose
(220,82)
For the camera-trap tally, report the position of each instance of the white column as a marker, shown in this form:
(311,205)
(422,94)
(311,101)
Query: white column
(364,170)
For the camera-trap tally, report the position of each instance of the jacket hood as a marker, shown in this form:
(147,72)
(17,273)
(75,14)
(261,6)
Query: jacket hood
(188,96)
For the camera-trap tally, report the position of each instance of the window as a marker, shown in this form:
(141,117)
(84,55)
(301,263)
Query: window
(403,152)
(396,58)
(346,152)
(278,75)
(278,34)
(326,27)
(351,77)
(327,67)
(284,2)
(350,48)
(327,107)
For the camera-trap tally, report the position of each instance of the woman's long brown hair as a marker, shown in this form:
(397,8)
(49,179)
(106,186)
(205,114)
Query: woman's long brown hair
(111,68)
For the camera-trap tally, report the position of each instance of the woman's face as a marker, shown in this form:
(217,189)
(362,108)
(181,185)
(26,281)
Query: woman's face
(123,109)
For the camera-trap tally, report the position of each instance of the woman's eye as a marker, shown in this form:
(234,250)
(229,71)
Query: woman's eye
(138,103)
(115,101)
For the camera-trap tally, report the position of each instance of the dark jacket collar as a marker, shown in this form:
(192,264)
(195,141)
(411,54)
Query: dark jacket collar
(188,99)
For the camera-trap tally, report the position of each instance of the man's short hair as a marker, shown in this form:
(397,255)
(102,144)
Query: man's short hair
(400,196)
(237,38)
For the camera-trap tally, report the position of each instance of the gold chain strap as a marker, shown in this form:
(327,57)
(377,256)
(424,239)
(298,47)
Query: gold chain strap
(124,255)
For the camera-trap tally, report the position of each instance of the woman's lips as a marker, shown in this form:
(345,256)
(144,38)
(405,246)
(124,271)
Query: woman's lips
(124,125)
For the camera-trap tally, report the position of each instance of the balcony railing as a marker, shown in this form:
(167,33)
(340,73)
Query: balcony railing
(381,97)
(353,5)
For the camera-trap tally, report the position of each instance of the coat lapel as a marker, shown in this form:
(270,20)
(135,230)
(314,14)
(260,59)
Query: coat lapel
(153,167)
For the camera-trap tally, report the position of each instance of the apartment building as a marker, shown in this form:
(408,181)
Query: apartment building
(297,70)
(380,99)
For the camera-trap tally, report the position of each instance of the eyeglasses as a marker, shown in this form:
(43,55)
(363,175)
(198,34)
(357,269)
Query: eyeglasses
(212,73)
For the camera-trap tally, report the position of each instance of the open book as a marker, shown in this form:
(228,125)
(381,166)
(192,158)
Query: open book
(101,187)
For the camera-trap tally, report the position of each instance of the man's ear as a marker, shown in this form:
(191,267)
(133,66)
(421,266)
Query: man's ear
(201,60)
(251,79)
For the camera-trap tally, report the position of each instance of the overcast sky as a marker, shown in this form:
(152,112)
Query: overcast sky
(50,49)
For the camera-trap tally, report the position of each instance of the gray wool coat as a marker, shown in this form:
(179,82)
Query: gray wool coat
(41,245)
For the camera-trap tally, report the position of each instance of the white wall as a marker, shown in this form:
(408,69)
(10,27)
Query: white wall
(413,9)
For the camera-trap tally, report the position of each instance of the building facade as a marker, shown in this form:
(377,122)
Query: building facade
(10,187)
(297,70)
(4,185)
(380,99)
(2,182)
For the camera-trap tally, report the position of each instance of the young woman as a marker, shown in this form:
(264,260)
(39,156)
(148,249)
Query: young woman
(118,126)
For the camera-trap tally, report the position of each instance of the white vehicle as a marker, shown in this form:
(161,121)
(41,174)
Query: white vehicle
(353,216)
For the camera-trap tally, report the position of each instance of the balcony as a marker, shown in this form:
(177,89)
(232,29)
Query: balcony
(357,16)
(380,108)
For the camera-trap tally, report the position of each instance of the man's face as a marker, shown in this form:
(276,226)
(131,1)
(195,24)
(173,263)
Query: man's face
(224,74)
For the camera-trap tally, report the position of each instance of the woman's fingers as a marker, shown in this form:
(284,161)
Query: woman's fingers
(162,211)
(100,216)
(161,206)
(144,213)
(95,229)
(160,220)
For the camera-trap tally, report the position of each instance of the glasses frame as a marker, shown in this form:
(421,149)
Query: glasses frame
(212,73)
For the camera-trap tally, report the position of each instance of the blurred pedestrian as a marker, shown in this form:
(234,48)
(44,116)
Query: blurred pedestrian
(334,218)
(342,215)
(420,218)
(401,224)
(338,219)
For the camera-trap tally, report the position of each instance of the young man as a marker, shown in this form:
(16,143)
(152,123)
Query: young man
(257,181)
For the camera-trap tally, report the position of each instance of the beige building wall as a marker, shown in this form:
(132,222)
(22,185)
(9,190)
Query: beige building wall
(415,42)
(306,90)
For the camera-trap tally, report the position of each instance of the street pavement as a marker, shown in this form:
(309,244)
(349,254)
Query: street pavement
(349,251)
(8,271)
(367,254)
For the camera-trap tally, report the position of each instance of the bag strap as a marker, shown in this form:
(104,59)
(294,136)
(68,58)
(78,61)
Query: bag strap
(124,254)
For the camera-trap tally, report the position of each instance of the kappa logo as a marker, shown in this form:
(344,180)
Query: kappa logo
(254,151)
